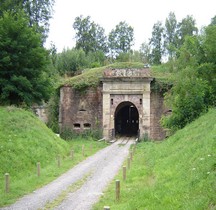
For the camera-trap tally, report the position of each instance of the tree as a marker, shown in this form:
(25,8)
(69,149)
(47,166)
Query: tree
(53,53)
(213,21)
(95,59)
(145,52)
(89,36)
(207,69)
(191,53)
(209,43)
(70,61)
(156,43)
(38,11)
(194,89)
(120,39)
(23,62)
(171,37)
(187,27)
(186,98)
(100,39)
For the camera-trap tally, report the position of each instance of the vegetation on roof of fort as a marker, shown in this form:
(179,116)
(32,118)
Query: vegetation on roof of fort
(91,77)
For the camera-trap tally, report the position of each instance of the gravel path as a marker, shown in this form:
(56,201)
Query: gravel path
(102,167)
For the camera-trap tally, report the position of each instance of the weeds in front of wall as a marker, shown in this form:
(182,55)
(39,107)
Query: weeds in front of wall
(144,138)
(69,134)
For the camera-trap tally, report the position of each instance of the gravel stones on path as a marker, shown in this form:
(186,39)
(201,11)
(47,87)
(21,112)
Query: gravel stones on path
(102,167)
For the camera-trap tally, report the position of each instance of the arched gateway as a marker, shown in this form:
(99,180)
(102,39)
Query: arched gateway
(126,102)
(126,119)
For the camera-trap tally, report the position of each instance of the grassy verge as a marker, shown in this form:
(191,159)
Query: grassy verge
(24,141)
(178,173)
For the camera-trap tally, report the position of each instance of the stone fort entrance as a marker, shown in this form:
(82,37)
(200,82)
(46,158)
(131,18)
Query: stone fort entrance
(123,103)
(126,102)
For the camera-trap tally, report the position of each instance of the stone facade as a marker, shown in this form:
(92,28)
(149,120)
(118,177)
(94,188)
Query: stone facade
(122,102)
(80,111)
(133,90)
(157,110)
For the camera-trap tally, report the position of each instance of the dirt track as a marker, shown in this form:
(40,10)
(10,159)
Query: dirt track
(100,169)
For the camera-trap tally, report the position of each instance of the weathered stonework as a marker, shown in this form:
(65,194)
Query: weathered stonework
(157,110)
(80,111)
(124,97)
(131,90)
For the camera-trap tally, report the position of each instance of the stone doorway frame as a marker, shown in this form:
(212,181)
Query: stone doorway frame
(119,87)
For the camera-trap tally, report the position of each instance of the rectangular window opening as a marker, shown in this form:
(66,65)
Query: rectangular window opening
(87,125)
(76,125)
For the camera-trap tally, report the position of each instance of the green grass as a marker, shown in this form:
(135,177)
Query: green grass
(91,77)
(161,73)
(178,173)
(24,141)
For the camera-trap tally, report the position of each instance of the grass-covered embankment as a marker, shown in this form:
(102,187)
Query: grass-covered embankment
(178,173)
(24,141)
(91,77)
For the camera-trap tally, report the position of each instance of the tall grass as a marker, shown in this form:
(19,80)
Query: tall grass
(178,173)
(24,141)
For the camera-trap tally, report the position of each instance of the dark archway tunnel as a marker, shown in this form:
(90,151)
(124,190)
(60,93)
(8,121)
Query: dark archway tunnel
(126,119)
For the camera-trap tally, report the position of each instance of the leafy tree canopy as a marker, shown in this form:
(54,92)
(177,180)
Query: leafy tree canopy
(23,61)
(38,11)
(213,21)
(70,61)
(156,43)
(187,27)
(170,40)
(194,90)
(89,35)
(187,99)
(167,39)
(121,39)
(144,52)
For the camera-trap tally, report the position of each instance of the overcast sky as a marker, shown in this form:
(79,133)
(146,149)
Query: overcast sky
(140,14)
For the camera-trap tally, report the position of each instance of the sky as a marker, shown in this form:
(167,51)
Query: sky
(139,14)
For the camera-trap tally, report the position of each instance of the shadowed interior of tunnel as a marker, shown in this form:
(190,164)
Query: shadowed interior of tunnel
(126,119)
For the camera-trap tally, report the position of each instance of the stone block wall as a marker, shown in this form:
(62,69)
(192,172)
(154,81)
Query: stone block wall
(135,90)
(156,111)
(80,111)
